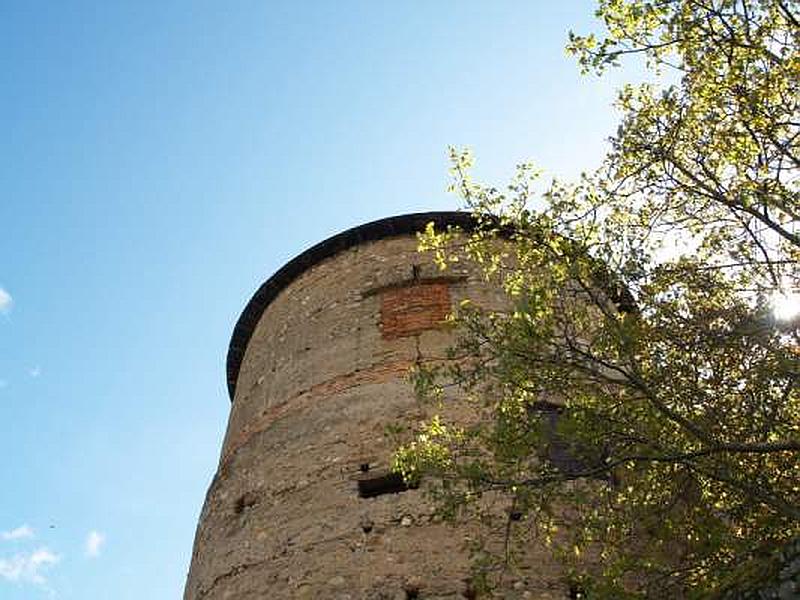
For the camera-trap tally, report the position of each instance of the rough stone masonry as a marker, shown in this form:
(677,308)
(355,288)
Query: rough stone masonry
(317,369)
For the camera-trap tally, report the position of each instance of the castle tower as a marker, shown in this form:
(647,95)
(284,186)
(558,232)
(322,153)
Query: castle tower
(303,504)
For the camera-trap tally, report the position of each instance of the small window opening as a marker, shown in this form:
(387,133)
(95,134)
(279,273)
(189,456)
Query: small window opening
(364,467)
(515,515)
(415,272)
(378,485)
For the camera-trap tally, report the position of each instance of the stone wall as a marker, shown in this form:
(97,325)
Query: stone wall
(323,375)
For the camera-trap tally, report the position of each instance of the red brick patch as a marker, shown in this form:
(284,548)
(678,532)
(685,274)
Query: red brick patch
(412,309)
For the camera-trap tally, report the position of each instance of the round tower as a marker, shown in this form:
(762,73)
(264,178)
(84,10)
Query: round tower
(303,504)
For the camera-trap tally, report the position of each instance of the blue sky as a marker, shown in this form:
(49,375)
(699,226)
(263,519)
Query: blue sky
(158,161)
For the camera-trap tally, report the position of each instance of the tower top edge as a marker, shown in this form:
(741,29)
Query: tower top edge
(375,230)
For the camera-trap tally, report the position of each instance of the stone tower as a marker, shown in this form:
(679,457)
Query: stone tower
(303,504)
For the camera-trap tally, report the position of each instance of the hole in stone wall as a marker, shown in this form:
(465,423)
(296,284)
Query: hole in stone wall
(576,591)
(469,592)
(366,524)
(363,467)
(245,501)
(378,485)
(515,515)
(412,592)
(415,272)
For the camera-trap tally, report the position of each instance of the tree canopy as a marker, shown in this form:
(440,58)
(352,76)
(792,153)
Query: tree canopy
(637,403)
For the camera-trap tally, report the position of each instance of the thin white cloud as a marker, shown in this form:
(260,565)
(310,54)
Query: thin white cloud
(94,541)
(21,532)
(35,371)
(28,568)
(5,301)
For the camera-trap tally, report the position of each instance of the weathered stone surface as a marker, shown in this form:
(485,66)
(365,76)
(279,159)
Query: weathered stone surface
(323,374)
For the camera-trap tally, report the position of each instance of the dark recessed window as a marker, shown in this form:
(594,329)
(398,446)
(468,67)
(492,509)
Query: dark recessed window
(569,456)
(378,485)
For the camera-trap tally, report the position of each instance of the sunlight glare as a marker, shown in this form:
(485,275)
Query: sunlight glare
(786,306)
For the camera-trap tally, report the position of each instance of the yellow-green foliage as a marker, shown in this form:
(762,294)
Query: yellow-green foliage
(642,345)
